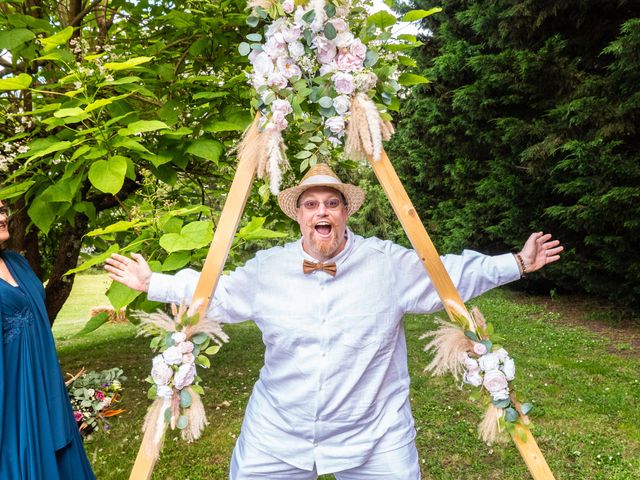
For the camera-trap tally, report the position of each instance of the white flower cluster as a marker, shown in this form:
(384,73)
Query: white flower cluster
(306,43)
(492,370)
(175,367)
(10,151)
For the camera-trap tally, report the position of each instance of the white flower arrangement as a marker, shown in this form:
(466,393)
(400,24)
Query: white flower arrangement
(183,342)
(470,353)
(329,69)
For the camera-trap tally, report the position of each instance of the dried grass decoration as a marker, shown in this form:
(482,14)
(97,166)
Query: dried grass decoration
(468,350)
(183,341)
(325,76)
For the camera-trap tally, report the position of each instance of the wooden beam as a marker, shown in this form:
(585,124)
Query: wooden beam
(447,291)
(211,270)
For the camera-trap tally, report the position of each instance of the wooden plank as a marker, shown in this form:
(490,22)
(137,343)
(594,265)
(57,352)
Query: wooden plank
(447,291)
(211,270)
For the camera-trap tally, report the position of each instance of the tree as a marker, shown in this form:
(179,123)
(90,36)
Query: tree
(530,122)
(118,110)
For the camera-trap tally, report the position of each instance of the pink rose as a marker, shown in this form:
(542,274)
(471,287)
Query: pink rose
(282,106)
(479,348)
(276,79)
(495,381)
(348,62)
(188,358)
(288,68)
(326,49)
(78,417)
(186,347)
(339,24)
(288,6)
(358,49)
(343,83)
(99,395)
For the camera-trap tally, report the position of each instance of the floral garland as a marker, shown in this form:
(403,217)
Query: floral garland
(310,69)
(470,352)
(183,342)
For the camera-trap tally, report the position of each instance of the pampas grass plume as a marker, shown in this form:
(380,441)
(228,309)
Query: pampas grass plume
(449,344)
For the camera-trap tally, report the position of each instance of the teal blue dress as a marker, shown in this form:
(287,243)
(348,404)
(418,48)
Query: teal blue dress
(39,439)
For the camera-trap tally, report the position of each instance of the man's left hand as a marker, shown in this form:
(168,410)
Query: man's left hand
(539,250)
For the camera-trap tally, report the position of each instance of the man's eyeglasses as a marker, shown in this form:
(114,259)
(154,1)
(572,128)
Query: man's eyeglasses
(6,211)
(330,204)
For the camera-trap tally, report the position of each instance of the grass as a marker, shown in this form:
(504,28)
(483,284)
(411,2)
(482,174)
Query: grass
(586,415)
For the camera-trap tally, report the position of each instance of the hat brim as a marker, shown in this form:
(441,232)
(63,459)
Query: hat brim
(288,199)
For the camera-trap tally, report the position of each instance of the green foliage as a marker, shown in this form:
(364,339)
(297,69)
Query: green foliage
(531,123)
(119,126)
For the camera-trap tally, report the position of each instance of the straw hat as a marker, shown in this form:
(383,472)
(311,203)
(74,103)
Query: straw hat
(320,175)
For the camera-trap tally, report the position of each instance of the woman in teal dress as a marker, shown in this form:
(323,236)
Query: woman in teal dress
(39,439)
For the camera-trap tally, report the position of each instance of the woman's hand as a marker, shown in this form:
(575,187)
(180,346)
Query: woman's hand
(538,251)
(133,272)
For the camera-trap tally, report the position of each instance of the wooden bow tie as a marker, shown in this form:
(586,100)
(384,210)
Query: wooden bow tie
(308,267)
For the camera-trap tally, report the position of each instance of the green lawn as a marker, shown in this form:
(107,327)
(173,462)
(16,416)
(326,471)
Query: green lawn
(585,387)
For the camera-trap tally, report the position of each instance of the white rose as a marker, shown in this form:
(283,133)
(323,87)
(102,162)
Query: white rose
(184,376)
(186,347)
(471,365)
(161,372)
(502,354)
(291,34)
(500,394)
(479,348)
(509,368)
(172,355)
(164,391)
(342,104)
(358,49)
(328,68)
(472,378)
(262,65)
(343,40)
(178,337)
(495,381)
(488,362)
(335,124)
(90,392)
(296,49)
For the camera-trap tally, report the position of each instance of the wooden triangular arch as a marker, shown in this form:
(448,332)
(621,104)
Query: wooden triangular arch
(413,227)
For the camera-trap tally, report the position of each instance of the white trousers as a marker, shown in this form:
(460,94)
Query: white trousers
(249,463)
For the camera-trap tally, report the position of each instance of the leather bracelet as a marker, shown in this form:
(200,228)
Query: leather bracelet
(523,268)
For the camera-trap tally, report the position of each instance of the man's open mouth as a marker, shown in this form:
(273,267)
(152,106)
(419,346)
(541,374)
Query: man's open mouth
(323,228)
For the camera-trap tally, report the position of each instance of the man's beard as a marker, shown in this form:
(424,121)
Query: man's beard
(327,248)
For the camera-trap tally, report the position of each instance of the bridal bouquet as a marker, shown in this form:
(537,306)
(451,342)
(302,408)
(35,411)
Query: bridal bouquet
(329,69)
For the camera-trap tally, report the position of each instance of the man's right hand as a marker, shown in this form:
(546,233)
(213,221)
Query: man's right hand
(133,272)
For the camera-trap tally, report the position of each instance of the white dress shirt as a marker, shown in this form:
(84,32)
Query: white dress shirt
(335,382)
